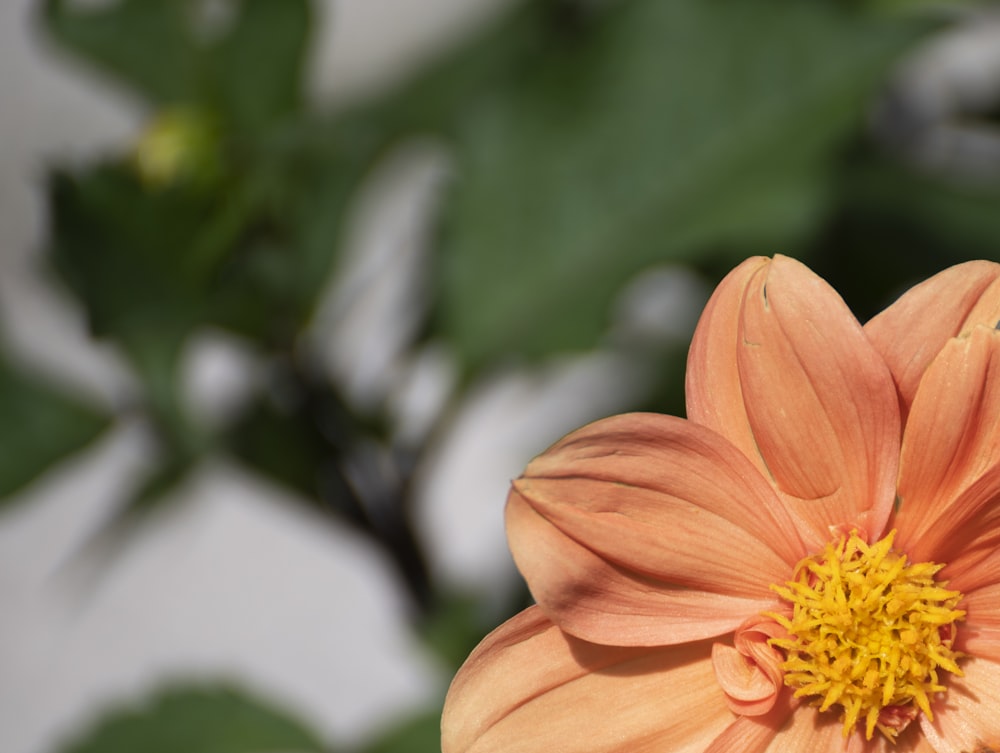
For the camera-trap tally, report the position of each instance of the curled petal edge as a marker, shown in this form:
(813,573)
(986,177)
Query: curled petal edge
(749,672)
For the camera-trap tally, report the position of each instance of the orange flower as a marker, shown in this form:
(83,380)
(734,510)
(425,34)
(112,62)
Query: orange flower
(808,563)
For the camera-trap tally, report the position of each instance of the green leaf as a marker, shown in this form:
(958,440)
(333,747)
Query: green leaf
(251,255)
(252,73)
(199,720)
(39,425)
(141,262)
(417,734)
(959,218)
(300,436)
(289,448)
(901,226)
(297,191)
(454,627)
(929,8)
(259,64)
(133,257)
(145,44)
(496,57)
(458,621)
(660,130)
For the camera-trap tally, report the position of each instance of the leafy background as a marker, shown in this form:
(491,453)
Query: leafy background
(505,238)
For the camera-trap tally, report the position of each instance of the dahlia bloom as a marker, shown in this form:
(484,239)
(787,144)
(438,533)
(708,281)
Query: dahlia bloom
(807,563)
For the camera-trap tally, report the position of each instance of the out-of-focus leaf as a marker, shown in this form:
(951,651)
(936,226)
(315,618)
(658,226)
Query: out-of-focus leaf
(259,64)
(39,425)
(500,54)
(287,447)
(662,129)
(250,73)
(295,198)
(142,263)
(454,627)
(457,621)
(252,256)
(200,720)
(667,366)
(417,734)
(930,8)
(134,258)
(961,217)
(303,437)
(900,227)
(146,44)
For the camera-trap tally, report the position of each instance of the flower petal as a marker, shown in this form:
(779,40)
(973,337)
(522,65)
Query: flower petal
(967,537)
(820,404)
(911,331)
(804,730)
(756,734)
(530,688)
(965,718)
(750,671)
(808,731)
(952,439)
(979,633)
(910,740)
(712,385)
(745,684)
(646,529)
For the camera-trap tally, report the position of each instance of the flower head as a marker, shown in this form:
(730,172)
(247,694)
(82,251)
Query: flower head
(809,562)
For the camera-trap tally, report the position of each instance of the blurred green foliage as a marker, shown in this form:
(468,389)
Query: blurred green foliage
(39,426)
(657,131)
(251,75)
(200,720)
(420,733)
(588,141)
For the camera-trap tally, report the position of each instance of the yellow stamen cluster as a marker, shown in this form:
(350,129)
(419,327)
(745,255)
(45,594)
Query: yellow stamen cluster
(868,631)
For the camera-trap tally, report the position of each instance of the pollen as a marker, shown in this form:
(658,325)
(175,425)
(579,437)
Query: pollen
(869,632)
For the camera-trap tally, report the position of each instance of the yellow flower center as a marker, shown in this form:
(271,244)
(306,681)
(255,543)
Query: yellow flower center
(868,632)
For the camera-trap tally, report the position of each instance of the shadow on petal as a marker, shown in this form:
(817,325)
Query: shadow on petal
(530,688)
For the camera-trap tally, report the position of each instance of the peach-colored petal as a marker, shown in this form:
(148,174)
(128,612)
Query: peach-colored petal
(976,575)
(966,718)
(983,606)
(755,734)
(979,632)
(646,529)
(965,537)
(910,740)
(744,683)
(981,642)
(596,599)
(530,688)
(804,730)
(819,401)
(750,671)
(712,385)
(952,439)
(911,331)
